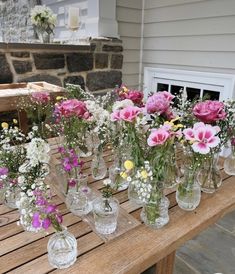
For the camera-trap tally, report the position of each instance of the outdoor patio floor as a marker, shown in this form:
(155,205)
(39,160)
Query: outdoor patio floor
(211,252)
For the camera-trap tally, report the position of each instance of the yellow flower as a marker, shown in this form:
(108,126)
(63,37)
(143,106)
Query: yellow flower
(58,98)
(5,125)
(123,175)
(144,174)
(175,119)
(179,126)
(15,121)
(128,164)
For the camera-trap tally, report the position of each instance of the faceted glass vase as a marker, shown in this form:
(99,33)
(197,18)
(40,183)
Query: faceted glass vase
(98,166)
(62,249)
(12,195)
(209,176)
(155,213)
(188,194)
(229,163)
(105,215)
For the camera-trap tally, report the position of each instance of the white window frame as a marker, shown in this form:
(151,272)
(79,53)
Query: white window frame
(224,83)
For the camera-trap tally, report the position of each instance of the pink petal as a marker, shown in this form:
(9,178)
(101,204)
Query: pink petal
(214,141)
(201,148)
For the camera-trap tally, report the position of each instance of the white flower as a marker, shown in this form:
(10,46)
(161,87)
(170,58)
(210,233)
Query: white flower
(21,180)
(122,104)
(38,152)
(107,182)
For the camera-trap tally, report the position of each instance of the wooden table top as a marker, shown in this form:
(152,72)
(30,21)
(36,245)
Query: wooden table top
(132,252)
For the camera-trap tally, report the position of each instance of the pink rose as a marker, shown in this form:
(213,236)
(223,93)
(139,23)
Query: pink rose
(135,96)
(40,97)
(129,114)
(158,137)
(159,102)
(72,107)
(209,111)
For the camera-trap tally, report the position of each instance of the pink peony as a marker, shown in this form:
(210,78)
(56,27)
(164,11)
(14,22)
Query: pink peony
(203,137)
(158,137)
(72,107)
(209,111)
(129,114)
(40,97)
(159,102)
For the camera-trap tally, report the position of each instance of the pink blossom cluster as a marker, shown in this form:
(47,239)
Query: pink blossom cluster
(70,159)
(70,108)
(127,114)
(46,213)
(202,137)
(160,103)
(159,136)
(209,111)
(135,96)
(40,97)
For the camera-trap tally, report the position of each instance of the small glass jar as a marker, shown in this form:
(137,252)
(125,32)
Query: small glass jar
(229,162)
(188,194)
(98,166)
(117,181)
(172,171)
(105,212)
(62,249)
(155,213)
(12,195)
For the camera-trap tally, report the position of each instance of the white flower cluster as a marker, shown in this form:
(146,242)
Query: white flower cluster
(43,17)
(142,181)
(122,104)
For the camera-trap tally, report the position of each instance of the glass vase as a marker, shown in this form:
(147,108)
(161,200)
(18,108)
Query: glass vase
(172,171)
(62,249)
(188,194)
(12,195)
(105,212)
(133,194)
(98,166)
(155,212)
(209,176)
(118,182)
(44,36)
(229,162)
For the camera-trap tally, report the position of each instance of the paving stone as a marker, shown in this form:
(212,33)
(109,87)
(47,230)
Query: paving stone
(5,72)
(182,268)
(101,60)
(22,67)
(75,80)
(103,79)
(77,62)
(42,77)
(228,222)
(212,251)
(116,61)
(20,54)
(49,60)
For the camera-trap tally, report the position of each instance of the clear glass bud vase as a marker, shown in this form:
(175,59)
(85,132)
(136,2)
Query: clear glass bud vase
(209,176)
(105,212)
(98,166)
(155,212)
(133,194)
(62,249)
(188,194)
(172,171)
(12,195)
(229,162)
(118,178)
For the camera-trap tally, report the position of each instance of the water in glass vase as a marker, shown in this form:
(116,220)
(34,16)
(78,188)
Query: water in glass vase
(229,163)
(105,214)
(98,166)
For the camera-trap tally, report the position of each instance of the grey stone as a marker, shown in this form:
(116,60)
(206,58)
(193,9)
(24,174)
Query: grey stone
(42,77)
(113,48)
(75,80)
(49,60)
(182,268)
(22,67)
(103,79)
(20,54)
(212,251)
(116,61)
(5,72)
(228,222)
(77,62)
(101,60)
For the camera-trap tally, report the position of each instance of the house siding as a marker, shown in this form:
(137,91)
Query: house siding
(190,34)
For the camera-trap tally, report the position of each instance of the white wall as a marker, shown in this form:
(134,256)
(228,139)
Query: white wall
(129,17)
(190,34)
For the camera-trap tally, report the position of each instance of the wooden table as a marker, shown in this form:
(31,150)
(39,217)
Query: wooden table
(132,252)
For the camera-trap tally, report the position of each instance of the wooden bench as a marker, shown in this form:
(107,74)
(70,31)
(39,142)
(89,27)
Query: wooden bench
(132,252)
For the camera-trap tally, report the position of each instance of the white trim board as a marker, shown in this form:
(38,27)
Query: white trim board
(202,80)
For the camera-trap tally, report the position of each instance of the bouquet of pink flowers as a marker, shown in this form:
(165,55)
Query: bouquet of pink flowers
(135,96)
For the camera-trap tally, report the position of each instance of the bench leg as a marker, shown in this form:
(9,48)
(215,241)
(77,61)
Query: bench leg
(166,265)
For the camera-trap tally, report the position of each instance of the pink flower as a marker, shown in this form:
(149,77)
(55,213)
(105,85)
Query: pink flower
(129,114)
(115,116)
(158,137)
(40,97)
(72,107)
(203,137)
(36,222)
(209,111)
(159,102)
(233,141)
(46,223)
(135,96)
(3,171)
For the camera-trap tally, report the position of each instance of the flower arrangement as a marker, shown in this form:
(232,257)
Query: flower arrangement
(135,96)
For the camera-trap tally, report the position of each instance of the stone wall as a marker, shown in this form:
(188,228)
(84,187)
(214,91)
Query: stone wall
(96,66)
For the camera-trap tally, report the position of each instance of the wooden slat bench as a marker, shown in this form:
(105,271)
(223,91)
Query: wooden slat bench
(132,252)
